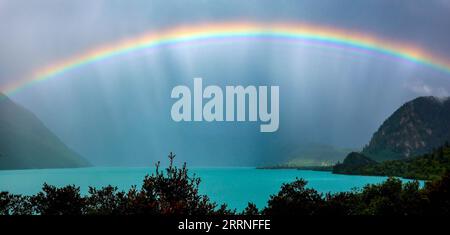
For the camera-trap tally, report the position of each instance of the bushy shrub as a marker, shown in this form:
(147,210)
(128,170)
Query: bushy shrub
(174,191)
(58,201)
(295,199)
(14,204)
(165,192)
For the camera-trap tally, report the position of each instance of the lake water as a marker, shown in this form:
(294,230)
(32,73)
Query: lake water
(234,186)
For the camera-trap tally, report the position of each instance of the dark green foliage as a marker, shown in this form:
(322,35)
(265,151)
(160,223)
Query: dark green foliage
(58,201)
(392,198)
(14,204)
(344,203)
(106,201)
(169,192)
(251,209)
(174,192)
(438,193)
(294,198)
(354,163)
(224,210)
(428,166)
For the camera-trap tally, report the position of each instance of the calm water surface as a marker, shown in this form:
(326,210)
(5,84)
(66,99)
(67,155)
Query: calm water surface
(234,186)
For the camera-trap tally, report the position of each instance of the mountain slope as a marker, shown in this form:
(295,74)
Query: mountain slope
(427,166)
(415,128)
(26,143)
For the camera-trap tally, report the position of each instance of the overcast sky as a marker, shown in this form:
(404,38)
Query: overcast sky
(328,96)
(38,32)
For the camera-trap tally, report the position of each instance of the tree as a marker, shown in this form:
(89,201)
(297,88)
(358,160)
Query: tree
(14,204)
(438,194)
(173,191)
(295,199)
(251,209)
(340,204)
(58,201)
(106,201)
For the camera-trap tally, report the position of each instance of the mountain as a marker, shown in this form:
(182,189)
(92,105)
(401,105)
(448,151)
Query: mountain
(354,163)
(428,166)
(26,143)
(416,128)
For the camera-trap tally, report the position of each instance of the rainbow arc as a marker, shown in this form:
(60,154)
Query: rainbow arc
(241,31)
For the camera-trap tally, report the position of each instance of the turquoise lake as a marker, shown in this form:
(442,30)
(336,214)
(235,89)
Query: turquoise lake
(234,186)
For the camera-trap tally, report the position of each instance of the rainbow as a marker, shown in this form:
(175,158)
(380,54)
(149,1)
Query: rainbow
(240,30)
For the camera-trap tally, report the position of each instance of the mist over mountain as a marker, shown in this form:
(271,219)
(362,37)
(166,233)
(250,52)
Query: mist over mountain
(311,155)
(417,127)
(25,142)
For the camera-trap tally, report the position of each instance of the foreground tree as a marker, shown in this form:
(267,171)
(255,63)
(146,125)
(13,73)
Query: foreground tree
(171,192)
(295,199)
(251,209)
(343,203)
(438,194)
(58,201)
(106,201)
(174,191)
(392,198)
(14,204)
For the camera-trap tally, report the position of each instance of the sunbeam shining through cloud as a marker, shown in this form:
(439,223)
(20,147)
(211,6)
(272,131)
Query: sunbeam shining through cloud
(102,82)
(236,115)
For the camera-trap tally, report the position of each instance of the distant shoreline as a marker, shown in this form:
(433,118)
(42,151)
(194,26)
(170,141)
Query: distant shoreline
(330,169)
(310,168)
